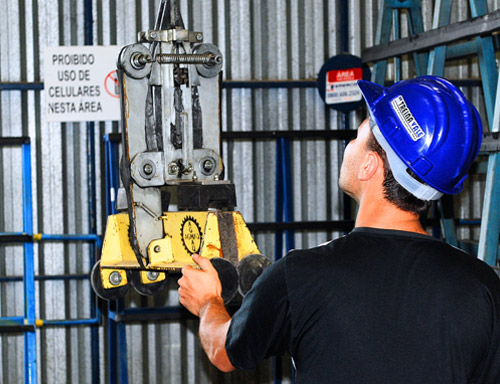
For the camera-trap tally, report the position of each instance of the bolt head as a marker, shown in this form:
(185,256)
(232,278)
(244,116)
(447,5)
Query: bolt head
(173,169)
(152,275)
(208,165)
(157,249)
(148,169)
(115,278)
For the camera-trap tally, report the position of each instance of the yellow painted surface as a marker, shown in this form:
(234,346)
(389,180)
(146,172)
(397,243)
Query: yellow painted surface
(160,252)
(116,248)
(185,233)
(211,246)
(246,243)
(145,280)
(105,272)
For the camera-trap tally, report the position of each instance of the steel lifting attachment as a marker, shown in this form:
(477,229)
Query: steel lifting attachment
(170,89)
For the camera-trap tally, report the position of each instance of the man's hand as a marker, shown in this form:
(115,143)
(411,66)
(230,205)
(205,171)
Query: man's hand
(200,292)
(197,287)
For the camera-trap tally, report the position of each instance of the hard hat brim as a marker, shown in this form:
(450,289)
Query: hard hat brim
(371,91)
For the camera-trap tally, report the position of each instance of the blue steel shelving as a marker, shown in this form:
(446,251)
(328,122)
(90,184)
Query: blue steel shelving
(29,323)
(26,323)
(431,53)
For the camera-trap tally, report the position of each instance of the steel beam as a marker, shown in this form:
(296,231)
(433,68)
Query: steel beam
(478,26)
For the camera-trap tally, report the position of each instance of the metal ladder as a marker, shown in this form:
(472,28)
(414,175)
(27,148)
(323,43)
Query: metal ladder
(433,63)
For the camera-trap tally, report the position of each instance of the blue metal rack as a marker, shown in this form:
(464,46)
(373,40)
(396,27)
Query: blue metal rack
(433,63)
(26,323)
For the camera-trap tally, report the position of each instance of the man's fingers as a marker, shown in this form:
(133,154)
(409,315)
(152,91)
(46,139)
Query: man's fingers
(203,262)
(187,268)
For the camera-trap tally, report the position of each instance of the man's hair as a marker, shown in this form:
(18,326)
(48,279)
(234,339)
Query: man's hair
(393,191)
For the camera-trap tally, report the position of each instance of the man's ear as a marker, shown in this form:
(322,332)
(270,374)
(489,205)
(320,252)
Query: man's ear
(369,166)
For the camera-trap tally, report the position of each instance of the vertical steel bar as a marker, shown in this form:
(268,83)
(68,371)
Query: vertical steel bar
(287,188)
(284,212)
(346,116)
(288,203)
(487,61)
(278,242)
(89,40)
(110,165)
(112,350)
(397,35)
(383,35)
(117,341)
(122,351)
(110,209)
(489,72)
(30,374)
(435,66)
(416,25)
(278,238)
(437,56)
(490,224)
(95,312)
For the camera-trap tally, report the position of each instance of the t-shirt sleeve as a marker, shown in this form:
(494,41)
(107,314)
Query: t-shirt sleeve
(261,327)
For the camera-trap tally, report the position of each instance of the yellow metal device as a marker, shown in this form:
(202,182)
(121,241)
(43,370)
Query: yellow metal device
(170,97)
(211,234)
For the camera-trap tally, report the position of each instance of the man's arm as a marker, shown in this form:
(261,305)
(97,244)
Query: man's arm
(214,324)
(200,292)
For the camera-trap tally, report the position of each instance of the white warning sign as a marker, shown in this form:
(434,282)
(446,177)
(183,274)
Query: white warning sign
(342,86)
(81,83)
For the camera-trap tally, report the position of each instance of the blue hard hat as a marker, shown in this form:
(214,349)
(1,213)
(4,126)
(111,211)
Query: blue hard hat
(427,125)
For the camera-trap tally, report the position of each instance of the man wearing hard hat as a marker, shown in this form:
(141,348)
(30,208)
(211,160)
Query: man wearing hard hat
(387,303)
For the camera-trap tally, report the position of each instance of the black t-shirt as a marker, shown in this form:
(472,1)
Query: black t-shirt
(374,306)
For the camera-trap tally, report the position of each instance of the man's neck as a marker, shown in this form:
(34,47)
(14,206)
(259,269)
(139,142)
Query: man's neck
(385,215)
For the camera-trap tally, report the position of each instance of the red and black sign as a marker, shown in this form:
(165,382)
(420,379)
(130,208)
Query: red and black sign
(337,82)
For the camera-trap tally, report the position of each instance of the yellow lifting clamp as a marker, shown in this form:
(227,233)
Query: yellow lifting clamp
(211,234)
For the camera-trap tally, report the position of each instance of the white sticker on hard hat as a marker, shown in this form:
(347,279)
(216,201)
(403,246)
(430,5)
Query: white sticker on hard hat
(406,117)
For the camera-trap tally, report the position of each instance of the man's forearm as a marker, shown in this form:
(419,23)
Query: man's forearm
(214,324)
